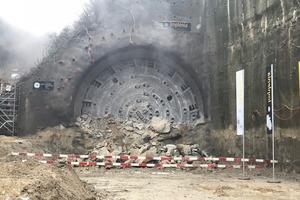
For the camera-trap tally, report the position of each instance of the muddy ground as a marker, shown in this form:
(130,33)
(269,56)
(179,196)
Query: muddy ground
(30,179)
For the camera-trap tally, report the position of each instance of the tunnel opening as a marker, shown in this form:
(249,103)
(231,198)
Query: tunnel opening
(136,84)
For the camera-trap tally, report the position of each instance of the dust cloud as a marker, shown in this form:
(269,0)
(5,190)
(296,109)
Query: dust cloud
(19,50)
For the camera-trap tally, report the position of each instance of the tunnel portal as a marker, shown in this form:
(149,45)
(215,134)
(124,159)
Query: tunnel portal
(139,85)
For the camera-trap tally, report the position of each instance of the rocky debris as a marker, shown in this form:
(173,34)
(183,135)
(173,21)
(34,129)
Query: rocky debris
(135,139)
(90,126)
(149,150)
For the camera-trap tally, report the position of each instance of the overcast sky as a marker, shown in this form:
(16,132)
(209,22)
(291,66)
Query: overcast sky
(40,17)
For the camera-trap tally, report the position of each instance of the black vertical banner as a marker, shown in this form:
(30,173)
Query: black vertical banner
(269,91)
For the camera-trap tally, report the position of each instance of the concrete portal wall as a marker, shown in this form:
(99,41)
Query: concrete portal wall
(123,25)
(252,35)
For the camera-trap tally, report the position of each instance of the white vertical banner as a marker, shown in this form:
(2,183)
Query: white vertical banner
(240,102)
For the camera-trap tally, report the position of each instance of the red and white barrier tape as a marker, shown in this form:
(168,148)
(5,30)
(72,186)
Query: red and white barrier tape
(156,165)
(124,157)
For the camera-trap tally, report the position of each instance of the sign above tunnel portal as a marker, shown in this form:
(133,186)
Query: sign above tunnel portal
(178,26)
(43,85)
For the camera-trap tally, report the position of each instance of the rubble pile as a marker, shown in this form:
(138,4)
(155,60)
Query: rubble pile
(157,138)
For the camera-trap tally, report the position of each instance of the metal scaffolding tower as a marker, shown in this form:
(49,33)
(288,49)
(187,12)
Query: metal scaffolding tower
(9,106)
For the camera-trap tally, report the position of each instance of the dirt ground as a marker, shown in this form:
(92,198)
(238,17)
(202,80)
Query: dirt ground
(32,180)
(176,184)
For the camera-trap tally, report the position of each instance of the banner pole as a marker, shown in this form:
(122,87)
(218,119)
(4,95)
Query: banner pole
(240,102)
(244,178)
(273,127)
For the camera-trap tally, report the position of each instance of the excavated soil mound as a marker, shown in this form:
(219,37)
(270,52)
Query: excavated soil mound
(32,180)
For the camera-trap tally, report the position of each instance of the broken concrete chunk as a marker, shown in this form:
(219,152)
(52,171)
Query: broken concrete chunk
(151,133)
(198,122)
(84,116)
(169,136)
(150,153)
(160,125)
(103,152)
(111,121)
(184,149)
(171,150)
(129,128)
(146,138)
(128,123)
(139,126)
(77,124)
(135,152)
(171,146)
